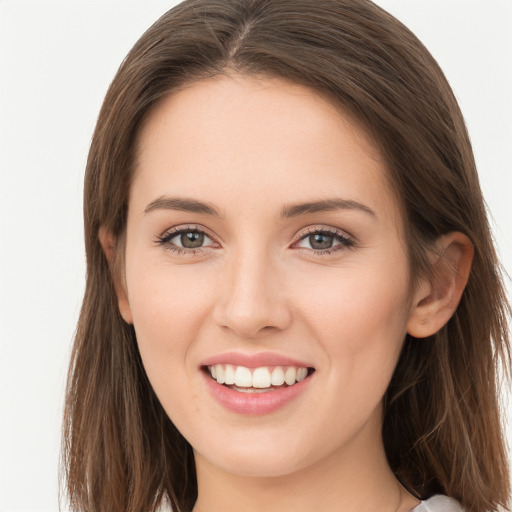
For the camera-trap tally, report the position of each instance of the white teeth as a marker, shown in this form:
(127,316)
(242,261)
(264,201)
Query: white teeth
(290,375)
(220,374)
(302,373)
(277,376)
(243,377)
(229,375)
(259,378)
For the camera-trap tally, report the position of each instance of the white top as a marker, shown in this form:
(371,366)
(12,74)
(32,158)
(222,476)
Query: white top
(438,504)
(435,504)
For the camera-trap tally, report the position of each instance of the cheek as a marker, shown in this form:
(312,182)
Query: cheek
(167,316)
(169,308)
(360,317)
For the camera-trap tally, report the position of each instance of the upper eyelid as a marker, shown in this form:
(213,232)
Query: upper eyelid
(188,227)
(322,229)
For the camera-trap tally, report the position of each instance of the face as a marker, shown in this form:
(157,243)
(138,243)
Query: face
(264,247)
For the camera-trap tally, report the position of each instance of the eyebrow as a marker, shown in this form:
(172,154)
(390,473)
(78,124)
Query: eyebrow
(326,205)
(182,204)
(289,211)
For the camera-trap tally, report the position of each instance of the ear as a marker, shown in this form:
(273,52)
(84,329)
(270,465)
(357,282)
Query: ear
(108,243)
(435,300)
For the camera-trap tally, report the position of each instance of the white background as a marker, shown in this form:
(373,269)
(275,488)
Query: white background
(56,61)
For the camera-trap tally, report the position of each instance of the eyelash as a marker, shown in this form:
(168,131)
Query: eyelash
(345,242)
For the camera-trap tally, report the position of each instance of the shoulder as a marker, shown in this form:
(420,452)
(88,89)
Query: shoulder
(439,504)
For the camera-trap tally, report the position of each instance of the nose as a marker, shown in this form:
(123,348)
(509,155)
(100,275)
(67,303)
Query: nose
(252,297)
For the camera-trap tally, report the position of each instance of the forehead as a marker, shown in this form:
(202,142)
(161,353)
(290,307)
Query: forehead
(234,98)
(263,137)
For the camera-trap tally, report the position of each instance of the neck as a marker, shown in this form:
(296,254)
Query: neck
(356,478)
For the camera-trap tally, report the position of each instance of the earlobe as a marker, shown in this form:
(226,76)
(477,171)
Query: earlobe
(436,300)
(108,243)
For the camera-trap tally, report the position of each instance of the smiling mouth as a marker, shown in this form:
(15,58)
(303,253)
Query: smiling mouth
(257,380)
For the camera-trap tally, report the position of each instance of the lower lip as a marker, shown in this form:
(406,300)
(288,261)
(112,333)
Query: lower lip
(254,403)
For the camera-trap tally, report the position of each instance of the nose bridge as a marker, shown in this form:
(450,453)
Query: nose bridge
(252,298)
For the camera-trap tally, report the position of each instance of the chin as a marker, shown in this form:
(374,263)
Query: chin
(260,453)
(258,464)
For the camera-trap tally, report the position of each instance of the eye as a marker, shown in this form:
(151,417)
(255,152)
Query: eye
(186,239)
(324,241)
(189,239)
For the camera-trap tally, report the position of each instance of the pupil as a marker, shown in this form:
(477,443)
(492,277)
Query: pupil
(319,241)
(192,239)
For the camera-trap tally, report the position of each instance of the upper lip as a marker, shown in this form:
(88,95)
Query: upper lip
(256,360)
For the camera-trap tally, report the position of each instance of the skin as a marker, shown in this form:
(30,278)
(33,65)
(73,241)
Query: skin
(250,148)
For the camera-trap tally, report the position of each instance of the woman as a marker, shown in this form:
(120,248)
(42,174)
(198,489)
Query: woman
(293,300)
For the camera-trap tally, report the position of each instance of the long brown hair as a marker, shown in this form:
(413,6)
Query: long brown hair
(442,430)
